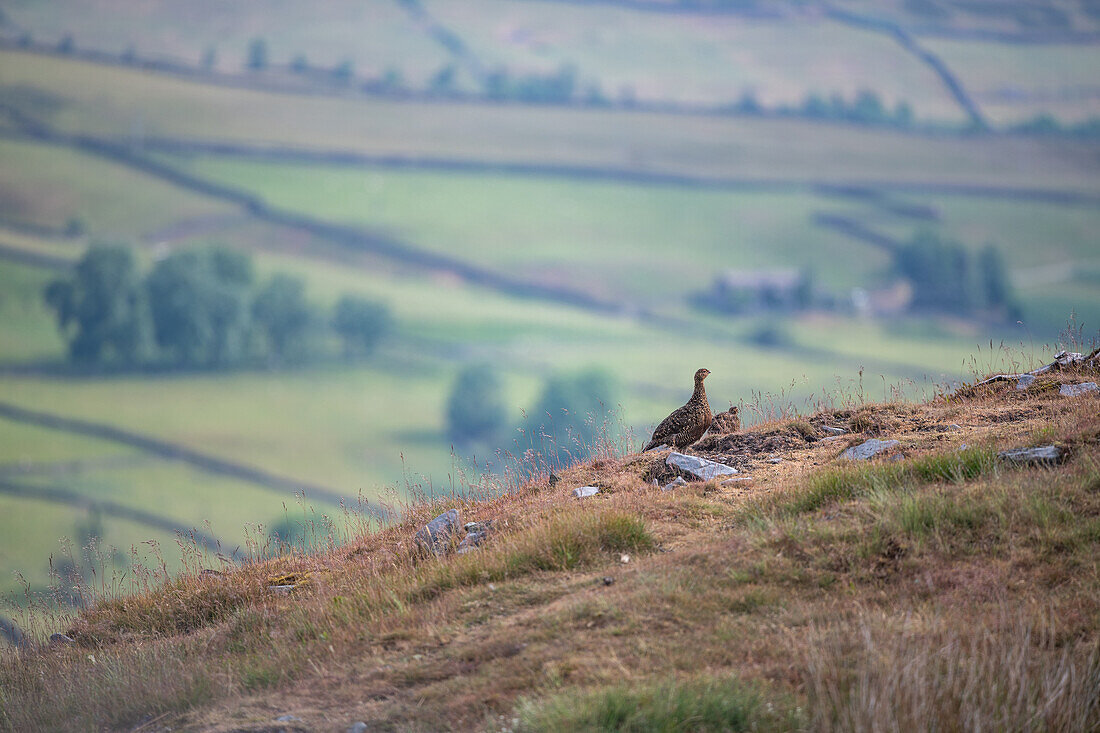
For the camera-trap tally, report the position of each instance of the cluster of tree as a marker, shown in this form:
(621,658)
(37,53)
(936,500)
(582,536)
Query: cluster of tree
(865,108)
(198,308)
(555,87)
(572,415)
(948,278)
(1048,124)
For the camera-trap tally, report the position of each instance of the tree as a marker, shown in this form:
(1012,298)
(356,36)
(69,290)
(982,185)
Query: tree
(939,270)
(360,323)
(475,409)
(283,317)
(257,54)
(199,303)
(571,415)
(101,310)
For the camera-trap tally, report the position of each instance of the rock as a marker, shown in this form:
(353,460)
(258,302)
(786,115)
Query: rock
(662,446)
(435,536)
(282,590)
(833,431)
(608,580)
(656,483)
(775,460)
(287,719)
(1025,381)
(738,480)
(678,481)
(61,639)
(868,449)
(698,468)
(357,727)
(954,426)
(1076,390)
(1024,456)
(584,491)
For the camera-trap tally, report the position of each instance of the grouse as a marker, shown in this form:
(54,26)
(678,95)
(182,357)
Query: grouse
(726,422)
(687,424)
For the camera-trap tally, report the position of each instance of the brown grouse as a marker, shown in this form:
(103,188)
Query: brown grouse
(687,424)
(727,422)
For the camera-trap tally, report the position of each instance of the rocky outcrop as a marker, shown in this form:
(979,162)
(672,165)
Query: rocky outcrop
(698,469)
(868,449)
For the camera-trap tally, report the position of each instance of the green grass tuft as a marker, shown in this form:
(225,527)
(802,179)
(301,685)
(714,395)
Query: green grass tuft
(704,704)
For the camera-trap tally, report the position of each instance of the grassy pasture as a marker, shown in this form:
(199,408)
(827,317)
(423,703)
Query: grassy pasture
(374,36)
(29,332)
(46,185)
(108,100)
(641,242)
(693,58)
(1014,82)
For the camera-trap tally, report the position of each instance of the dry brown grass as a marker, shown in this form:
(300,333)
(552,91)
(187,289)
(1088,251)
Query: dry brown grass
(802,590)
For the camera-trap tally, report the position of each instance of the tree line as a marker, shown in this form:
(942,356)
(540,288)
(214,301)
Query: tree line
(199,308)
(573,414)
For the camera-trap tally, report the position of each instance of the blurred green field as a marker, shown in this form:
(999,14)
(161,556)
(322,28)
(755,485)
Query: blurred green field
(110,101)
(700,59)
(373,36)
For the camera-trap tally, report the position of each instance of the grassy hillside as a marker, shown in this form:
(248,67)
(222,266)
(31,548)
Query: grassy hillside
(784,602)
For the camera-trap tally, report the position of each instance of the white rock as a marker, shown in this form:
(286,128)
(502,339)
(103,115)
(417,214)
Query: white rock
(1025,381)
(678,481)
(1076,390)
(833,431)
(737,480)
(584,491)
(700,468)
(866,450)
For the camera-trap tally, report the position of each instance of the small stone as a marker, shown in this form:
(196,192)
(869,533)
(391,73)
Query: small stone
(287,719)
(435,536)
(1047,454)
(656,483)
(868,449)
(699,468)
(282,590)
(584,491)
(608,580)
(954,426)
(1076,390)
(738,480)
(61,639)
(775,460)
(833,431)
(357,727)
(1025,381)
(678,481)
(624,559)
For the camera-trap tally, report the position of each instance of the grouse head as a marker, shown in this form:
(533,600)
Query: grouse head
(701,375)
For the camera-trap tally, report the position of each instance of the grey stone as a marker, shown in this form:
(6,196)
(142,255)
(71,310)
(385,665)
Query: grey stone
(436,535)
(868,449)
(287,719)
(61,639)
(737,480)
(471,541)
(608,580)
(583,491)
(954,426)
(699,468)
(833,431)
(1025,381)
(662,446)
(1076,390)
(358,727)
(775,460)
(1025,456)
(678,481)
